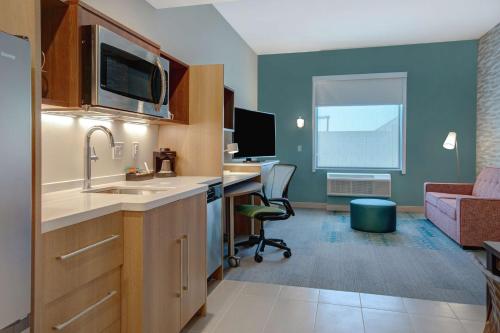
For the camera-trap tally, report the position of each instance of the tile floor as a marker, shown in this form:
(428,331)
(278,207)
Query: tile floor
(246,307)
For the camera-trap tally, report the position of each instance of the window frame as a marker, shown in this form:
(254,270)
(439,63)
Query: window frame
(393,75)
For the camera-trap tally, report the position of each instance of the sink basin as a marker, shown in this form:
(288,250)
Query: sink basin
(121,190)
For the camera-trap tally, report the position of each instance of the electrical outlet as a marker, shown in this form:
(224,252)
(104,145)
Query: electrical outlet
(299,148)
(135,150)
(118,151)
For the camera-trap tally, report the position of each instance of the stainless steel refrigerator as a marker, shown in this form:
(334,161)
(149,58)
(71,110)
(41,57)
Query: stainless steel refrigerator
(15,183)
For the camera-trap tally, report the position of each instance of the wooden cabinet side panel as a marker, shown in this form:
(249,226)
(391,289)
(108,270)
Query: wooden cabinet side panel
(228,108)
(132,273)
(193,217)
(199,146)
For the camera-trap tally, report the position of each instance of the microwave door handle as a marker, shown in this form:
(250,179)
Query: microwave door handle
(163,84)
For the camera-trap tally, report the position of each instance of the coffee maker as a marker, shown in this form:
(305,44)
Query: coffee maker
(164,162)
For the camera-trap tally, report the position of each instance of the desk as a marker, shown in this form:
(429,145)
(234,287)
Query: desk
(232,178)
(238,190)
(263,169)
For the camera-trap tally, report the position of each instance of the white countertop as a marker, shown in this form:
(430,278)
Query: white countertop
(64,208)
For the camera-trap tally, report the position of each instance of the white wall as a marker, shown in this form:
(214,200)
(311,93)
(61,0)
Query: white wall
(63,145)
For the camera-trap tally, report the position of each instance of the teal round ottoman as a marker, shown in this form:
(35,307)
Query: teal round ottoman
(373,215)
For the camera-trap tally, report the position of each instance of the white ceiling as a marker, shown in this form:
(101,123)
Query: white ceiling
(160,4)
(283,26)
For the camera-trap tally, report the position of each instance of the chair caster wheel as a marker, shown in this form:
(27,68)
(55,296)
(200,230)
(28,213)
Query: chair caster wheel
(233,261)
(258,258)
(287,254)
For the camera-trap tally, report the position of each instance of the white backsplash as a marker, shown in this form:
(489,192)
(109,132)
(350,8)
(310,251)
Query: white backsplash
(63,143)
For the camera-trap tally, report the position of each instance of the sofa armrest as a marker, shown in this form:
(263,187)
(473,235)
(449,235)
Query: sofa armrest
(479,220)
(451,188)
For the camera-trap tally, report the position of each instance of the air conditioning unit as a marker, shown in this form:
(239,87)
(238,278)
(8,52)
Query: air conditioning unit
(359,185)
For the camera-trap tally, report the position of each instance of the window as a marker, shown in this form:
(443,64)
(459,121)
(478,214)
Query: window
(359,121)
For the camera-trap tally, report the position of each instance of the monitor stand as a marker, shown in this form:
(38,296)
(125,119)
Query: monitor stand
(249,160)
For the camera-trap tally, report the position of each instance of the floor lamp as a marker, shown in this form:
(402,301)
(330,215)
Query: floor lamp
(451,143)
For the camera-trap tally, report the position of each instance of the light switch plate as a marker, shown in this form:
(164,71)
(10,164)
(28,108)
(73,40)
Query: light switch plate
(135,150)
(299,148)
(118,151)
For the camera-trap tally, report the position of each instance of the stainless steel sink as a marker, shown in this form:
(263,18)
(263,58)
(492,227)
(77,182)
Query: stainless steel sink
(121,190)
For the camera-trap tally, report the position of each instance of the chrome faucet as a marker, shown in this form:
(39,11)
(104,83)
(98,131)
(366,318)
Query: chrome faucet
(90,154)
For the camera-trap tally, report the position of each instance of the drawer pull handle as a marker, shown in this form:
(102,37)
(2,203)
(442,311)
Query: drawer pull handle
(62,326)
(87,248)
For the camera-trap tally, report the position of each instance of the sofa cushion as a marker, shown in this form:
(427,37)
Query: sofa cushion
(487,184)
(434,197)
(448,207)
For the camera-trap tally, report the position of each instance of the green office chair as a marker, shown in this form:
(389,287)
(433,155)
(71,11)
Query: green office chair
(276,207)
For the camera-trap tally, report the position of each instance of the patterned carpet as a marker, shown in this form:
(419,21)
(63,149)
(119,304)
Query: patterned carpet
(416,261)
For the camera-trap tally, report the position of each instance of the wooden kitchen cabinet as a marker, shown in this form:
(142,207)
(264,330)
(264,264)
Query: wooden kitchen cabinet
(164,272)
(62,31)
(61,35)
(82,276)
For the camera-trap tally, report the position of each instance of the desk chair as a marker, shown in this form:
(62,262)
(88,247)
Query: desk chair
(276,207)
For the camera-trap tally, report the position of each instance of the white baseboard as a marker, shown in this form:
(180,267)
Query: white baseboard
(310,205)
(76,183)
(402,209)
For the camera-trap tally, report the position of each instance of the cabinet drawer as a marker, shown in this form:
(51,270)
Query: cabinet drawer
(94,307)
(78,254)
(114,328)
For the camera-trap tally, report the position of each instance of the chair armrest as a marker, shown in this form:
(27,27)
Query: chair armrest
(479,220)
(451,188)
(285,202)
(261,197)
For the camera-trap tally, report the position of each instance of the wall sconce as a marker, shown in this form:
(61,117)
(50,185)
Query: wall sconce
(300,122)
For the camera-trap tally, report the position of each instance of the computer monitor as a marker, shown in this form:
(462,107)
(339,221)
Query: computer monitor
(255,134)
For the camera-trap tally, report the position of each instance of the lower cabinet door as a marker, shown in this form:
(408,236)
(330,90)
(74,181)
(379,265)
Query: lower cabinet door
(94,307)
(162,270)
(194,267)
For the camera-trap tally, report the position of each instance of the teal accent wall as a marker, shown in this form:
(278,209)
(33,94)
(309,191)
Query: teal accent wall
(441,96)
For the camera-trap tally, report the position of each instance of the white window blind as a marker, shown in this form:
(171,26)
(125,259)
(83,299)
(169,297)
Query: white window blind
(359,121)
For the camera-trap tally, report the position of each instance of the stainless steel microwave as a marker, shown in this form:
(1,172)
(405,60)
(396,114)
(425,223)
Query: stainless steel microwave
(121,75)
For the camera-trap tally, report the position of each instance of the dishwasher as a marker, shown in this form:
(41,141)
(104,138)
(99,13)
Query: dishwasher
(214,228)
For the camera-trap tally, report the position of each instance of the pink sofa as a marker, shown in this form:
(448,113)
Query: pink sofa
(468,213)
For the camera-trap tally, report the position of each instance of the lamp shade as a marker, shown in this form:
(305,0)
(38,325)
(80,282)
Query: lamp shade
(232,148)
(451,141)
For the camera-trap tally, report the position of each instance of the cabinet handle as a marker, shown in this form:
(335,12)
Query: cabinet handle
(87,248)
(184,264)
(62,326)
